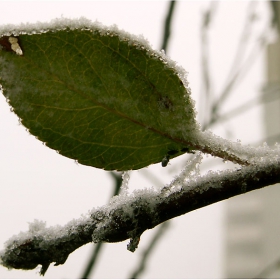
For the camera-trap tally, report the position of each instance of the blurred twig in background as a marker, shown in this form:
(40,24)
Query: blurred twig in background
(206,94)
(167,26)
(145,255)
(266,272)
(239,68)
(96,249)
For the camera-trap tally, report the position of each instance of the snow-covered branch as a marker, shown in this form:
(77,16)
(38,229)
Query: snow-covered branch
(128,216)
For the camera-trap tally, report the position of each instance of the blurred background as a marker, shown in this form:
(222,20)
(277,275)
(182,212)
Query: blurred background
(231,51)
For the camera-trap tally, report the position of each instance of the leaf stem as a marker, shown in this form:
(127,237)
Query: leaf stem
(208,142)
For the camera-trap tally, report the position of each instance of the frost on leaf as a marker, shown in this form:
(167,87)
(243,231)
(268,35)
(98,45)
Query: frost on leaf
(125,180)
(102,96)
(97,94)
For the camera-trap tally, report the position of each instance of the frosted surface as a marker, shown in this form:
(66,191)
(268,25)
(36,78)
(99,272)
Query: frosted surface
(83,23)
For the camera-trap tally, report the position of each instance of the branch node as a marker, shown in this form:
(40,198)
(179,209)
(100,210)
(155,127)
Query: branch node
(133,244)
(44,268)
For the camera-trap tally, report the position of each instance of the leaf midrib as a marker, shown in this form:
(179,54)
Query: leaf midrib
(94,101)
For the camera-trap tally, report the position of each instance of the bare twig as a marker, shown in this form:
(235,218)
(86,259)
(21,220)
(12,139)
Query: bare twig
(262,99)
(97,248)
(206,92)
(238,70)
(92,260)
(241,72)
(237,76)
(242,43)
(167,26)
(145,255)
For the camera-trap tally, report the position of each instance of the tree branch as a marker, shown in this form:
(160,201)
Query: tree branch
(129,216)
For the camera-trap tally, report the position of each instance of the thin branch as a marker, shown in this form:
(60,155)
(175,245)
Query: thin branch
(147,253)
(238,71)
(234,112)
(207,87)
(240,74)
(92,260)
(129,216)
(97,248)
(242,44)
(262,99)
(167,26)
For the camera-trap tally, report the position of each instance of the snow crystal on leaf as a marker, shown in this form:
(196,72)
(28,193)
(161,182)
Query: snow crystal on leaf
(85,24)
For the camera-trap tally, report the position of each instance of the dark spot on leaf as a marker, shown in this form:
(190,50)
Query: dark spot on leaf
(85,135)
(165,102)
(6,45)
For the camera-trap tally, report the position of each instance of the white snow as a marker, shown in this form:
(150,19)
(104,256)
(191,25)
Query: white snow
(85,24)
(247,153)
(124,186)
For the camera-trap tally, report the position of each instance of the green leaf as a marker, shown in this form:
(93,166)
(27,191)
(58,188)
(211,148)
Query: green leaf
(97,95)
